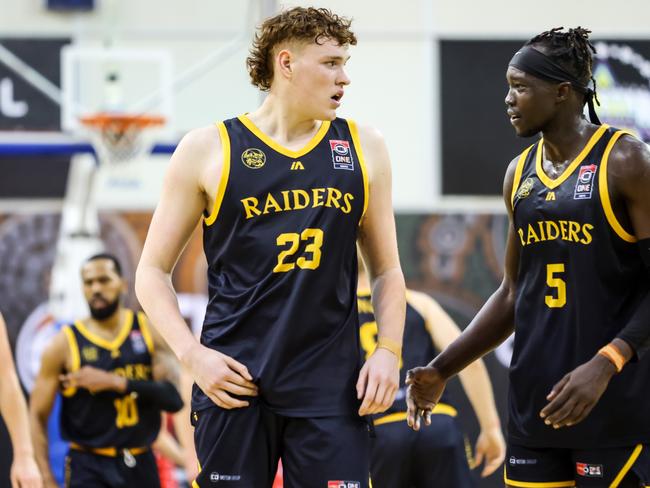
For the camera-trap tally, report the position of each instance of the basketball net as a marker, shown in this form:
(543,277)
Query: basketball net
(121,137)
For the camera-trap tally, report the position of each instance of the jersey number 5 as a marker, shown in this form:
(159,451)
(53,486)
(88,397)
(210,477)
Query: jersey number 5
(552,270)
(314,238)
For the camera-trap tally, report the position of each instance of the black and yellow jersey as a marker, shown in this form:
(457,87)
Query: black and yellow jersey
(282,268)
(580,279)
(109,419)
(417,350)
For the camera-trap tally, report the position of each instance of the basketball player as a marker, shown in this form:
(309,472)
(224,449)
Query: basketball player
(24,471)
(114,375)
(284,192)
(575,287)
(435,456)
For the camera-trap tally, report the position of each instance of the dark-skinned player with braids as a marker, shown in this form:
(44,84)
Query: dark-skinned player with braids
(576,285)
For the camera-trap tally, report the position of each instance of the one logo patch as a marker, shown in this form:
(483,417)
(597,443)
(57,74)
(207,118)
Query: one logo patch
(589,470)
(343,484)
(90,353)
(585,183)
(341,155)
(216,477)
(525,188)
(253,158)
(137,341)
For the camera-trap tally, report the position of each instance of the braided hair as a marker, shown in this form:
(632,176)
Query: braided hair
(571,50)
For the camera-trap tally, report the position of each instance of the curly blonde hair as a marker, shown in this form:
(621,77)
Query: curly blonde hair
(299,23)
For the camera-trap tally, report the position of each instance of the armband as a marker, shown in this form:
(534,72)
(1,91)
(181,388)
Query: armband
(390,345)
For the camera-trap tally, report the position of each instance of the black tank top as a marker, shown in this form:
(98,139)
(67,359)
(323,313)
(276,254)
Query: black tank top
(580,279)
(417,350)
(110,419)
(282,268)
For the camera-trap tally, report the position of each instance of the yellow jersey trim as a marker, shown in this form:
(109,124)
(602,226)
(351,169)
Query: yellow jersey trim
(74,356)
(604,192)
(146,333)
(106,344)
(195,484)
(320,133)
(627,466)
(225,174)
(439,409)
(536,484)
(363,292)
(518,171)
(554,183)
(354,132)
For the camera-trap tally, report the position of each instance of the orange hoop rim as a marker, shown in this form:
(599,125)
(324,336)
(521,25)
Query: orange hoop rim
(121,121)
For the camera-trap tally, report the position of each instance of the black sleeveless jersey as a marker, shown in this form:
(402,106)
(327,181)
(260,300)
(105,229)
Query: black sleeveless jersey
(580,279)
(282,266)
(110,419)
(417,350)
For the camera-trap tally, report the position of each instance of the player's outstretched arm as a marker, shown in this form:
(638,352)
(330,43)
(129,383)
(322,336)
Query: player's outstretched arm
(24,471)
(489,328)
(42,399)
(576,394)
(379,378)
(490,445)
(189,186)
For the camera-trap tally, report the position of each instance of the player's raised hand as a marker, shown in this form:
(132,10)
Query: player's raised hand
(491,448)
(425,387)
(576,394)
(378,382)
(219,376)
(25,473)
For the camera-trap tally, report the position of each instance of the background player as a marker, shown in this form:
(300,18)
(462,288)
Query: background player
(24,471)
(435,456)
(284,191)
(576,284)
(115,377)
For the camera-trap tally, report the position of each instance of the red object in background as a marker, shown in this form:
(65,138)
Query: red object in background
(277,483)
(165,471)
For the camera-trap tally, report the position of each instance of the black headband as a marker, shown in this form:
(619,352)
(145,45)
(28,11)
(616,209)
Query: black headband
(531,61)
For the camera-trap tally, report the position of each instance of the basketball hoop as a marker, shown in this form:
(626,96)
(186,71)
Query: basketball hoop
(120,137)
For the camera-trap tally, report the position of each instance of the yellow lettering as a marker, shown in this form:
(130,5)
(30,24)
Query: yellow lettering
(564,230)
(574,228)
(297,204)
(587,235)
(317,194)
(552,230)
(348,203)
(271,203)
(250,207)
(521,236)
(540,224)
(531,235)
(120,372)
(285,198)
(333,197)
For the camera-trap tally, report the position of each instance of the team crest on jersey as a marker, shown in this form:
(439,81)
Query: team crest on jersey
(90,353)
(525,188)
(137,341)
(341,155)
(253,158)
(585,183)
(589,470)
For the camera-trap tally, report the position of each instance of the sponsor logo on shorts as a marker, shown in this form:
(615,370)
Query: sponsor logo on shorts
(216,477)
(589,470)
(343,484)
(341,155)
(521,461)
(585,183)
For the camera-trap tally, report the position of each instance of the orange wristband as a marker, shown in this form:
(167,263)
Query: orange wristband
(390,345)
(611,352)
